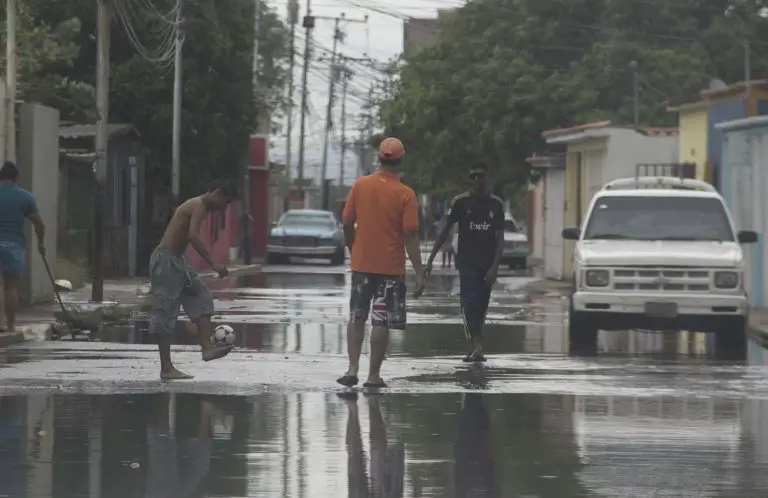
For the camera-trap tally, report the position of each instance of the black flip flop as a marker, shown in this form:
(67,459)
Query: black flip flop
(473,358)
(348,380)
(371,385)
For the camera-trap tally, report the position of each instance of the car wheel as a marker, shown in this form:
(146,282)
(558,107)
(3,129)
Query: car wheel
(582,332)
(275,259)
(731,339)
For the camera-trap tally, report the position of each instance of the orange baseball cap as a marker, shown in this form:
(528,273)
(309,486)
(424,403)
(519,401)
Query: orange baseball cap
(391,148)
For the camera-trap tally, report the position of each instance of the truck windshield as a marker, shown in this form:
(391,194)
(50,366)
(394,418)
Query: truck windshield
(659,218)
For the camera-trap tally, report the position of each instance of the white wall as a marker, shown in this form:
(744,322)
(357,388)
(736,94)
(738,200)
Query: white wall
(538,220)
(628,148)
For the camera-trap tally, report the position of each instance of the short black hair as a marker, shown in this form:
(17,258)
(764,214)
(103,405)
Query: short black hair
(227,186)
(479,165)
(9,172)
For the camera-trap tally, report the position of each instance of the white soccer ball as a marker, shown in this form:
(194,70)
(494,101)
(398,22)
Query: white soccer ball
(224,335)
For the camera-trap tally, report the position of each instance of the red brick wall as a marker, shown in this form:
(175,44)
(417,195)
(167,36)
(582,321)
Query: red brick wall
(216,234)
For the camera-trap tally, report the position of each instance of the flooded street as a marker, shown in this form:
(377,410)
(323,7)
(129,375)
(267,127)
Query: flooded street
(650,415)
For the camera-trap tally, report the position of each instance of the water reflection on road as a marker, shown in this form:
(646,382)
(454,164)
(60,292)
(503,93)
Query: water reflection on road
(320,444)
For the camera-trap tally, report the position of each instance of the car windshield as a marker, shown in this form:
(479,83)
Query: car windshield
(659,218)
(313,221)
(510,226)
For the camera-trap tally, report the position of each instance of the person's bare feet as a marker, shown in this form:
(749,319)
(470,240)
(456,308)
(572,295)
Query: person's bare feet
(216,352)
(174,374)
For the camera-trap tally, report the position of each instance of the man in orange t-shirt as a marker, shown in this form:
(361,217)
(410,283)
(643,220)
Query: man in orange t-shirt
(380,217)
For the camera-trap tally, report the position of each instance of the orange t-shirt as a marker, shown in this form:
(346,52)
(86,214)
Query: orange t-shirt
(384,209)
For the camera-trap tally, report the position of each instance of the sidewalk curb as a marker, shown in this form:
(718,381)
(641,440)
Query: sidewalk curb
(758,332)
(29,331)
(11,338)
(544,286)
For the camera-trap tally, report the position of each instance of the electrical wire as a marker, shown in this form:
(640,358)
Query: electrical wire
(163,55)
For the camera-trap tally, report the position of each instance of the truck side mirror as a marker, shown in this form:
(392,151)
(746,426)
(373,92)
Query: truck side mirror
(571,233)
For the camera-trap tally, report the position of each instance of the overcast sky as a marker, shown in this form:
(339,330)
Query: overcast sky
(381,38)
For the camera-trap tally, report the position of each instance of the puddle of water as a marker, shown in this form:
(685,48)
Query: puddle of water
(437,445)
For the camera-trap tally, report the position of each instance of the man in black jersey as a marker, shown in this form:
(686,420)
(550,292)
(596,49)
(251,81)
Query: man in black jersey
(480,216)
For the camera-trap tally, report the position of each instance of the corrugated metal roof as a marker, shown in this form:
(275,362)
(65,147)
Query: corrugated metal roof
(89,131)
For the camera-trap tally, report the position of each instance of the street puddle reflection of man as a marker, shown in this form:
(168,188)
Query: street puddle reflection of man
(385,475)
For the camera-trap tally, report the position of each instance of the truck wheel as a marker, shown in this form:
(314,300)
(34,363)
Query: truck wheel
(274,259)
(582,332)
(731,339)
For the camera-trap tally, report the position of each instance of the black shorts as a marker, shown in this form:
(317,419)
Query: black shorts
(384,294)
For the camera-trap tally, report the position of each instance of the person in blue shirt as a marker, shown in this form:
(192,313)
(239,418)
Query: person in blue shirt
(16,205)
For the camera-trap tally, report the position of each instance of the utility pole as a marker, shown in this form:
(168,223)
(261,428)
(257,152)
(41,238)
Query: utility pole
(335,73)
(329,110)
(10,80)
(293,19)
(102,104)
(309,25)
(176,140)
(345,87)
(245,214)
(635,91)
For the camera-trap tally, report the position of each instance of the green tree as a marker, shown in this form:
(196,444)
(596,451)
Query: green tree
(220,107)
(503,71)
(44,50)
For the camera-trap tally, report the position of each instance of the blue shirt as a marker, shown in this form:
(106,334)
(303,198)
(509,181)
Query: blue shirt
(15,205)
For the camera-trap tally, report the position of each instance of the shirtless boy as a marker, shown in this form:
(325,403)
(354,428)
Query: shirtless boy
(175,284)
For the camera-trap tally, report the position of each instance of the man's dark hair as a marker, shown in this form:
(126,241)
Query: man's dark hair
(227,186)
(479,165)
(388,161)
(9,172)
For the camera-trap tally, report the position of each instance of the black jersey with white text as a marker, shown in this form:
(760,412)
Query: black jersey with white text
(480,218)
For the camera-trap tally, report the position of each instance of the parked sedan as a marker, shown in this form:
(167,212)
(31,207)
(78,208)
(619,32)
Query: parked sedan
(306,233)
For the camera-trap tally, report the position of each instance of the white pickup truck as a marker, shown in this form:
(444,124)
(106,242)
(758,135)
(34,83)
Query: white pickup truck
(659,253)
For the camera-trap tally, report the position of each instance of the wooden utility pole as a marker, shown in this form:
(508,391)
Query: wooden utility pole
(102,136)
(309,25)
(293,19)
(347,75)
(176,130)
(10,80)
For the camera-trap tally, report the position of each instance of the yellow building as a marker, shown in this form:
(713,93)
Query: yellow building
(699,113)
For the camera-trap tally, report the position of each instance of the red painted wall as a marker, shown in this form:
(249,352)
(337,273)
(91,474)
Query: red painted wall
(216,236)
(259,190)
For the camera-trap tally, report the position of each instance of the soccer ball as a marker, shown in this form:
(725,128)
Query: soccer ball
(223,335)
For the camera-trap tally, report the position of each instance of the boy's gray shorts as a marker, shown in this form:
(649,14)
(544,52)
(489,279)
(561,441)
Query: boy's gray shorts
(174,285)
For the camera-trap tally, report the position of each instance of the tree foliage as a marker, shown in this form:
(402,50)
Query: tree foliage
(220,109)
(502,71)
(44,51)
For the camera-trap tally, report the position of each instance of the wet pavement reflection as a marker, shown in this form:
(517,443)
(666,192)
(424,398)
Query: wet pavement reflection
(321,444)
(650,414)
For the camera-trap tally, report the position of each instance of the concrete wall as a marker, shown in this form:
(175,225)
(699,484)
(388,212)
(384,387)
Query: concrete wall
(743,184)
(38,158)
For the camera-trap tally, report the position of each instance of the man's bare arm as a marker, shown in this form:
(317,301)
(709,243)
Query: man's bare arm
(440,240)
(499,248)
(349,234)
(198,215)
(37,223)
(412,247)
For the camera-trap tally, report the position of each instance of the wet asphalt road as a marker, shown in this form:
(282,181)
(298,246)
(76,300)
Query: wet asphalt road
(651,415)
